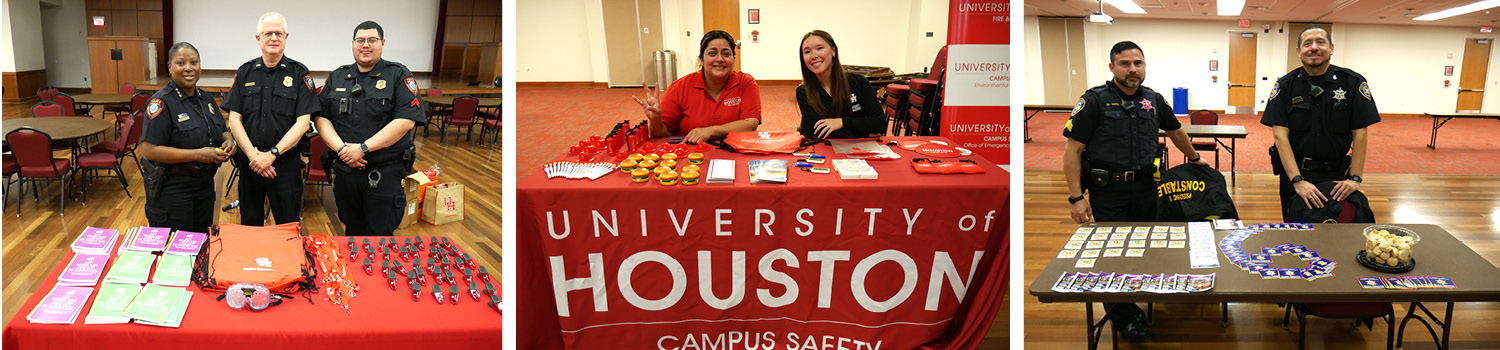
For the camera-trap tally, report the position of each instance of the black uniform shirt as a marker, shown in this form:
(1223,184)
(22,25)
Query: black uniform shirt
(174,119)
(269,99)
(1086,113)
(388,92)
(866,118)
(1321,126)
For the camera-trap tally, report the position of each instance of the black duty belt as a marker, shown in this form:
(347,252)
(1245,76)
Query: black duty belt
(1123,176)
(192,170)
(341,166)
(1310,164)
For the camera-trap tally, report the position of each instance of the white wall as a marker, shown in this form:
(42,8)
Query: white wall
(1036,92)
(22,38)
(224,30)
(863,40)
(65,36)
(1404,64)
(553,41)
(564,40)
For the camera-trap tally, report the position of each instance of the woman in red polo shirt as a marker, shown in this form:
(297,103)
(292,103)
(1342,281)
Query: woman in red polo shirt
(856,114)
(709,103)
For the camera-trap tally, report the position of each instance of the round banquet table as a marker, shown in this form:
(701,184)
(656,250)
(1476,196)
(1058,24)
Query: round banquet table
(61,128)
(484,102)
(102,99)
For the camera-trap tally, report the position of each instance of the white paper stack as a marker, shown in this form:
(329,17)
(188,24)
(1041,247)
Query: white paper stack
(855,169)
(720,171)
(1202,252)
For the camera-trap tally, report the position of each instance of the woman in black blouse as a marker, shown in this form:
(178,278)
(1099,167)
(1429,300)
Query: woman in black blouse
(856,116)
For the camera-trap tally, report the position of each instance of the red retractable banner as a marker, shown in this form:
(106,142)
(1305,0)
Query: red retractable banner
(976,102)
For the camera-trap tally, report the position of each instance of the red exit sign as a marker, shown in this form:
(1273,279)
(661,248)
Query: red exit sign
(1486,29)
(1244,23)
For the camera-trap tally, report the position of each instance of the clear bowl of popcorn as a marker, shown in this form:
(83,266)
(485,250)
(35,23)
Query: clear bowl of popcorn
(1390,246)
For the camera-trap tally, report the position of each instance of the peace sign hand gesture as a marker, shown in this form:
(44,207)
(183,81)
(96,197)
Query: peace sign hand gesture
(651,106)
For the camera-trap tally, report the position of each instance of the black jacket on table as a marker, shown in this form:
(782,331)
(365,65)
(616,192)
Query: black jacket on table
(866,118)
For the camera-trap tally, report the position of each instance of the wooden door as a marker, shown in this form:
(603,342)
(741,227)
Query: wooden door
(721,15)
(1242,71)
(623,43)
(648,13)
(1062,60)
(1471,80)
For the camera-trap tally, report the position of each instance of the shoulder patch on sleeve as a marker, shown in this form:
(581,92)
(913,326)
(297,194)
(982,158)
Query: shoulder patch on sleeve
(1076,108)
(154,108)
(411,85)
(1364,89)
(307,79)
(1275,90)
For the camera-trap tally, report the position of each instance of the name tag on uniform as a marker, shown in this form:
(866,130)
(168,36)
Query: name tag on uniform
(249,84)
(182,117)
(339,89)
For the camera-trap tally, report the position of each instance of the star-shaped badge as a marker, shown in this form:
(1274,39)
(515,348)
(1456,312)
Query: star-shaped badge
(1146,105)
(1338,94)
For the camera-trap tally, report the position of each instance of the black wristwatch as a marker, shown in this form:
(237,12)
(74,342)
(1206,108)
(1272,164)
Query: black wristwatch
(364,148)
(1072,200)
(1195,159)
(275,152)
(1298,178)
(1356,178)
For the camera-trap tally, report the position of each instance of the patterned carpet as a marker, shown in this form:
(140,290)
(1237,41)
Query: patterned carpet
(1398,145)
(551,119)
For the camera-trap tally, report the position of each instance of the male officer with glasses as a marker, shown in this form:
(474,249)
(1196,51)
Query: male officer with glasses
(1319,114)
(269,106)
(369,109)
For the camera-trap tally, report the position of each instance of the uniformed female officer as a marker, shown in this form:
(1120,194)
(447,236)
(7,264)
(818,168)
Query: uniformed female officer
(184,140)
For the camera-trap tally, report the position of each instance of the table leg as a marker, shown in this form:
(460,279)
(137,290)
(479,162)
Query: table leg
(1088,320)
(1446,324)
(1232,159)
(1432,143)
(1026,125)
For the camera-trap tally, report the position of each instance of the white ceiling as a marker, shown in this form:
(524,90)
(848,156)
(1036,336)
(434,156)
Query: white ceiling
(1399,12)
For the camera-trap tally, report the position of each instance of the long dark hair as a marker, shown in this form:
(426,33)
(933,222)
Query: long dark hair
(840,84)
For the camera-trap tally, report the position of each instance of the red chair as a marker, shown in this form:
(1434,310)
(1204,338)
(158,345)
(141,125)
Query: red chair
(34,155)
(313,173)
(464,109)
(897,103)
(1205,117)
(434,114)
(46,109)
(925,97)
(128,144)
(69,107)
(11,169)
(125,89)
(137,103)
(90,163)
(1360,312)
(44,94)
(492,127)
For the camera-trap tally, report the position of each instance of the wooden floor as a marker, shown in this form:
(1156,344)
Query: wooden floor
(35,242)
(1466,206)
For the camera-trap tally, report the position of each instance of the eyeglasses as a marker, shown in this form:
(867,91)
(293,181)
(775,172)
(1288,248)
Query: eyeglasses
(274,34)
(362,41)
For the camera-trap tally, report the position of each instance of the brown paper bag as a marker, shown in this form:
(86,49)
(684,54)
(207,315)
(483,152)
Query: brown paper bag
(444,203)
(412,184)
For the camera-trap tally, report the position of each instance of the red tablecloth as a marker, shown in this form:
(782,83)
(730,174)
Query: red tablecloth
(381,319)
(640,265)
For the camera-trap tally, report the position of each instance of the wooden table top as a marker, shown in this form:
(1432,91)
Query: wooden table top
(1039,107)
(448,101)
(1464,115)
(61,128)
(1224,131)
(1438,254)
(102,99)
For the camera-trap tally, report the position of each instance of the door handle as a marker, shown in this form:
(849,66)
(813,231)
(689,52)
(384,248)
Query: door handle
(1242,85)
(1470,90)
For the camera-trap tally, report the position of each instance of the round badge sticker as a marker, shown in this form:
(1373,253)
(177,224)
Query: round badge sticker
(936,150)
